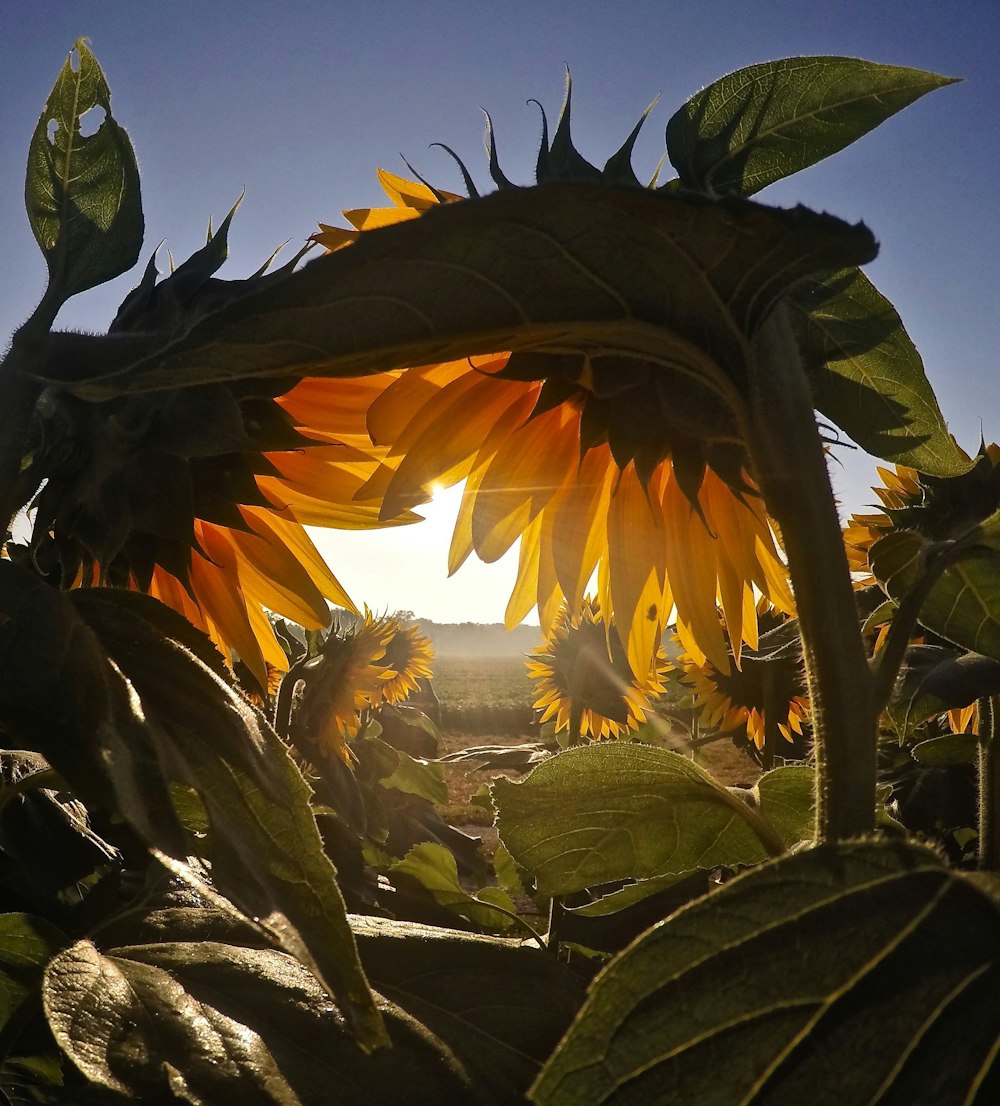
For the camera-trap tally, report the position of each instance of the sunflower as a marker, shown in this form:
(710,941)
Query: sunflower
(737,700)
(586,460)
(408,655)
(585,681)
(332,688)
(940,508)
(200,497)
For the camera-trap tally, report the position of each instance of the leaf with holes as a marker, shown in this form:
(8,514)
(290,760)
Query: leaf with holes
(774,988)
(82,190)
(759,124)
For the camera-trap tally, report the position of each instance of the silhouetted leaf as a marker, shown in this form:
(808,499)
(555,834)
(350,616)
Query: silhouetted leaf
(777,987)
(613,811)
(675,281)
(767,121)
(82,191)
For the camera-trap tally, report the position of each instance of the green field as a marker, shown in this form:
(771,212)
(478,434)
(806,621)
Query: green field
(484,695)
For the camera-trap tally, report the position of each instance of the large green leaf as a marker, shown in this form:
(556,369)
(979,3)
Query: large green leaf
(617,811)
(867,376)
(963,605)
(212,1023)
(123,711)
(82,190)
(759,124)
(858,973)
(674,280)
(499,1005)
(26,946)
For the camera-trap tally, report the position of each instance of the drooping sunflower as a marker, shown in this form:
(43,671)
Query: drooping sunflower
(738,700)
(585,681)
(409,656)
(588,460)
(333,687)
(200,496)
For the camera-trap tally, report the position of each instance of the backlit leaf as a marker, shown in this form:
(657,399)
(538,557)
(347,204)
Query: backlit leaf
(759,124)
(853,973)
(867,376)
(616,811)
(787,799)
(82,190)
(432,867)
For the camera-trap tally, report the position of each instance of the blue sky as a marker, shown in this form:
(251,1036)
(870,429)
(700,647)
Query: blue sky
(299,103)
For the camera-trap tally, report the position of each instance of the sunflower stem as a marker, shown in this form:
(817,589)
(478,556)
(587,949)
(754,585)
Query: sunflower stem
(789,464)
(989,784)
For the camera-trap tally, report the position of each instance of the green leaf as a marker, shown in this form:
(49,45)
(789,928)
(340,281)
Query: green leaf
(499,1005)
(759,124)
(212,1023)
(615,811)
(867,376)
(26,946)
(786,797)
(674,280)
(948,749)
(123,712)
(432,867)
(414,777)
(627,896)
(856,973)
(963,605)
(82,191)
(936,679)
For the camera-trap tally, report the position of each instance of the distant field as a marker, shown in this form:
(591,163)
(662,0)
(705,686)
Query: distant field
(484,695)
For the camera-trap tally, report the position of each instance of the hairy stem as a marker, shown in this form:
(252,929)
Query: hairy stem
(989,784)
(790,466)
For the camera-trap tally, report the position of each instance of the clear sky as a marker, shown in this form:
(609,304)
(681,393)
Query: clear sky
(299,103)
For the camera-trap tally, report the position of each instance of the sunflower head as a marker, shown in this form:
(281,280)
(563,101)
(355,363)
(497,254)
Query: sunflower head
(585,681)
(740,701)
(937,507)
(199,495)
(408,656)
(336,683)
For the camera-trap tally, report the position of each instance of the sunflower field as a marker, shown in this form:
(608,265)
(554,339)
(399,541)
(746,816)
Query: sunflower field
(224,870)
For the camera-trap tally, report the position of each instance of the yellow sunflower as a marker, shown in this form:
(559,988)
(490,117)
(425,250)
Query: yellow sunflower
(585,681)
(900,489)
(200,497)
(582,461)
(408,655)
(333,688)
(737,700)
